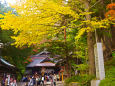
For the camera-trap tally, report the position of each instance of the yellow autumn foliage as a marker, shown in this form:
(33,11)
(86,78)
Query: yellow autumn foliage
(38,19)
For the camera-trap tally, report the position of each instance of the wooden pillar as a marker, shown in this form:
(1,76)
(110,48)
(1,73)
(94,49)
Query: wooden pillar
(62,76)
(59,76)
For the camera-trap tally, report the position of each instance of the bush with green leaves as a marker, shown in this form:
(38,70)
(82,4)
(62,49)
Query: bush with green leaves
(110,77)
(110,73)
(83,80)
(108,82)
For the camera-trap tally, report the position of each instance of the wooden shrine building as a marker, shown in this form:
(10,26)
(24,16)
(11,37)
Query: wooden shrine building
(6,68)
(42,62)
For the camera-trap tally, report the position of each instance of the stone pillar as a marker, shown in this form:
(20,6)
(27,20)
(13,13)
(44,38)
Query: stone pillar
(99,64)
(95,82)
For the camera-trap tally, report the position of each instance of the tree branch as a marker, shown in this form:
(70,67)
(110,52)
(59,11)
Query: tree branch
(95,3)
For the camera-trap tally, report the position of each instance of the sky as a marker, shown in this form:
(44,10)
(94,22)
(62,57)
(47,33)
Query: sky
(9,1)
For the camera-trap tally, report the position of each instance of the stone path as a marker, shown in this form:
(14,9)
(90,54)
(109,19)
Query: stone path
(58,83)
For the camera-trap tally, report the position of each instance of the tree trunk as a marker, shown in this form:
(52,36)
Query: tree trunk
(113,37)
(68,67)
(91,53)
(90,45)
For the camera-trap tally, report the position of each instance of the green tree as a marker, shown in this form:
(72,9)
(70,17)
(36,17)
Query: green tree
(16,56)
(38,20)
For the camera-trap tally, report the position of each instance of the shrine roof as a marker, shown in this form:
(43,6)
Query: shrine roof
(41,58)
(4,62)
(46,64)
(34,62)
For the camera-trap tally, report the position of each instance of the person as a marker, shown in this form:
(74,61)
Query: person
(7,81)
(3,82)
(57,76)
(34,80)
(11,82)
(38,80)
(30,81)
(47,77)
(23,79)
(42,81)
(14,83)
(51,79)
(54,79)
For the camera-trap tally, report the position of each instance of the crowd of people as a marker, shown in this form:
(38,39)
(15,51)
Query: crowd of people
(31,80)
(8,80)
(39,79)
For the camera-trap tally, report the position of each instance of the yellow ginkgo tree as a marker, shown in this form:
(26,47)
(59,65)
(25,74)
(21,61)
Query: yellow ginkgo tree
(38,19)
(35,20)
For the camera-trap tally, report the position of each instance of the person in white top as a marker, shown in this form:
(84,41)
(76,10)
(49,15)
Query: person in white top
(42,80)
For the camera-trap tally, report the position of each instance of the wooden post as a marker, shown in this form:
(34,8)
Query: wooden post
(59,76)
(62,76)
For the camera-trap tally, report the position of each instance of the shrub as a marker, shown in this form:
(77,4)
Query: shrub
(110,73)
(108,82)
(84,80)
